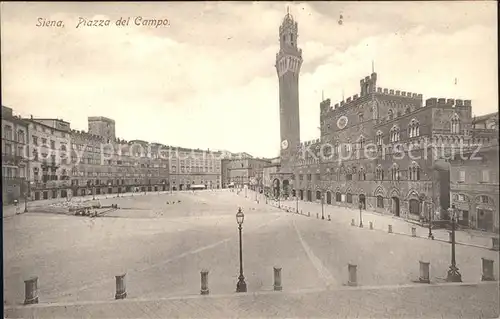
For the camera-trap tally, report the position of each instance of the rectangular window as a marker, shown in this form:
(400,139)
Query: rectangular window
(308,177)
(461,176)
(486,176)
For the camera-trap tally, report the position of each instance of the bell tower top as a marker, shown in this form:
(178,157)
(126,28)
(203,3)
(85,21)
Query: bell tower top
(288,31)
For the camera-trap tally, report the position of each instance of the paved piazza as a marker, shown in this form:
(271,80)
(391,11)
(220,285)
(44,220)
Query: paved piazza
(162,249)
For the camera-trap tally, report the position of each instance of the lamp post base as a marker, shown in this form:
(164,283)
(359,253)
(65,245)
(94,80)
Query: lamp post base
(454,275)
(241,286)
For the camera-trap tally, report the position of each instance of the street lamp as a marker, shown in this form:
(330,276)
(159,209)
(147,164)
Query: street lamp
(296,202)
(241,286)
(431,210)
(453,273)
(360,215)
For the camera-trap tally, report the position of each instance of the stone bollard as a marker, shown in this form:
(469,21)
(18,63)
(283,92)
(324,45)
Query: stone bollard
(31,291)
(308,214)
(371,225)
(487,270)
(450,236)
(496,243)
(413,232)
(352,222)
(121,289)
(204,282)
(317,215)
(424,272)
(353,278)
(389,229)
(277,279)
(329,219)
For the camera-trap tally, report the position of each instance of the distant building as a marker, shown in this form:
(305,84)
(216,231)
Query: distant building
(475,188)
(245,171)
(194,167)
(15,156)
(50,157)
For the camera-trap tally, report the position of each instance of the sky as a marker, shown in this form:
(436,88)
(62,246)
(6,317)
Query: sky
(207,80)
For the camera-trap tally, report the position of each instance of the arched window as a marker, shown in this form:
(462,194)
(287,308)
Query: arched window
(407,110)
(395,134)
(395,172)
(455,124)
(361,174)
(379,173)
(414,172)
(338,197)
(361,142)
(318,194)
(380,137)
(390,114)
(414,128)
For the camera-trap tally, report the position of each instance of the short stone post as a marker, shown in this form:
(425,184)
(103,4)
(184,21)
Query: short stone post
(31,291)
(329,219)
(121,290)
(389,229)
(352,222)
(487,270)
(413,232)
(353,278)
(277,279)
(308,214)
(317,215)
(496,243)
(424,272)
(450,236)
(371,225)
(204,282)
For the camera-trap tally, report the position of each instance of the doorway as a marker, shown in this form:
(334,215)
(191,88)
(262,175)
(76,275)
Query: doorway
(485,219)
(328,198)
(395,206)
(301,194)
(309,195)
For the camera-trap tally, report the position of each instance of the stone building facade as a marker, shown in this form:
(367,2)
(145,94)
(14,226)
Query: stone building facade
(194,167)
(384,149)
(475,188)
(244,171)
(15,162)
(50,158)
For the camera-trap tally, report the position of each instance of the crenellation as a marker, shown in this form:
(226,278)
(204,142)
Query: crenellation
(391,92)
(441,101)
(355,97)
(342,103)
(386,91)
(348,100)
(459,103)
(431,102)
(467,103)
(398,92)
(379,90)
(337,105)
(450,102)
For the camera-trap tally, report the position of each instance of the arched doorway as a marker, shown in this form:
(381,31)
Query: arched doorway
(276,188)
(301,194)
(362,200)
(181,187)
(328,197)
(395,206)
(293,192)
(309,195)
(414,207)
(318,195)
(338,197)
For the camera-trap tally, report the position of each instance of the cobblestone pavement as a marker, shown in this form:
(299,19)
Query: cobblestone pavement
(162,248)
(381,222)
(450,301)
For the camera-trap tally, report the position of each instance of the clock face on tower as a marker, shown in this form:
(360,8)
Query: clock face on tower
(342,122)
(284,144)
